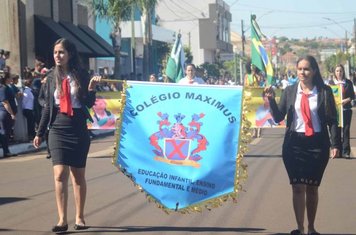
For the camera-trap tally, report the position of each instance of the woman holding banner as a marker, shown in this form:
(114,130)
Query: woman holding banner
(348,94)
(311,110)
(69,93)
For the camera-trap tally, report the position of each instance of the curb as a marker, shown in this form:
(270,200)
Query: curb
(27,147)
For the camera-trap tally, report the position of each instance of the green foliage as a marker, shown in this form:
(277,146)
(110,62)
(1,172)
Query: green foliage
(212,70)
(114,11)
(232,67)
(188,55)
(285,48)
(282,39)
(331,62)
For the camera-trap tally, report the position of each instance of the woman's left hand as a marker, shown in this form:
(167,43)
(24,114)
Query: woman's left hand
(93,82)
(334,153)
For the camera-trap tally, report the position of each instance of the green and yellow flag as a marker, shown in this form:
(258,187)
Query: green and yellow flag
(259,56)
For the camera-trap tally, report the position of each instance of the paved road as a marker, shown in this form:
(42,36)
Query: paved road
(114,206)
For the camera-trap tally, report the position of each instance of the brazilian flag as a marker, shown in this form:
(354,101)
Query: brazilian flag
(259,56)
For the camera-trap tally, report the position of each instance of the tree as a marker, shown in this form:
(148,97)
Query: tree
(212,69)
(188,55)
(332,61)
(114,11)
(147,8)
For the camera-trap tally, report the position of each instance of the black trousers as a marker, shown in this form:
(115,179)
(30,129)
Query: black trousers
(5,129)
(345,132)
(30,118)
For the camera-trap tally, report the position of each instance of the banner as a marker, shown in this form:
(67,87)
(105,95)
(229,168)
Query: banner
(179,143)
(259,114)
(105,111)
(337,91)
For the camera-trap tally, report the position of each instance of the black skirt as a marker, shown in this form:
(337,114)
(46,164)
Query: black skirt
(69,139)
(305,158)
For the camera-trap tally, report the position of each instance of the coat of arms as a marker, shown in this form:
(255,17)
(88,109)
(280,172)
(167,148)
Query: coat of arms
(179,144)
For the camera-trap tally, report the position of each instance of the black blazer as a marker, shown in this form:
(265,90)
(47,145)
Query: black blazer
(326,111)
(86,98)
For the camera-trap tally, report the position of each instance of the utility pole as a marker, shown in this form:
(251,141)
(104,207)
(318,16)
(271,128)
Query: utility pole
(243,38)
(133,43)
(354,46)
(189,36)
(243,53)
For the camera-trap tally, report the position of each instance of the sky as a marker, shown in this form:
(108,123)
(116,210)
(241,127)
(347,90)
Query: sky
(296,19)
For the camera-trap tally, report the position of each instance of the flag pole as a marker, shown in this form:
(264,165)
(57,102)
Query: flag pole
(112,80)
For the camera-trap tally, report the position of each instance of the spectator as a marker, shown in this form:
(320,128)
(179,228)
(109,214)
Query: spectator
(6,116)
(284,82)
(190,77)
(152,78)
(253,76)
(27,108)
(2,59)
(12,93)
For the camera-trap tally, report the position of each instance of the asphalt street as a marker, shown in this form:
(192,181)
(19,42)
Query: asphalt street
(115,206)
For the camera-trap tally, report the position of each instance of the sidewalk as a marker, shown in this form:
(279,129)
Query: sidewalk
(22,148)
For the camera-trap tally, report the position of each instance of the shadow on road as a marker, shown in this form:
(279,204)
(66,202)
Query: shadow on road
(6,200)
(137,229)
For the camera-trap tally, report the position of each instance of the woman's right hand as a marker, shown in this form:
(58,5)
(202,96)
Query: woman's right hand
(37,142)
(269,92)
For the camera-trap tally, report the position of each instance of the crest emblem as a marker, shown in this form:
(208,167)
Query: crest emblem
(179,144)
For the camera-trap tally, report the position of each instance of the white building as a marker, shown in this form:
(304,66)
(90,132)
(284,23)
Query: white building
(204,25)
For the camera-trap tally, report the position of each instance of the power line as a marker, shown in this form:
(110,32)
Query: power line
(291,11)
(164,2)
(185,10)
(193,7)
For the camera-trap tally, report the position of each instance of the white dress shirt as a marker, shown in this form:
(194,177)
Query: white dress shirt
(298,121)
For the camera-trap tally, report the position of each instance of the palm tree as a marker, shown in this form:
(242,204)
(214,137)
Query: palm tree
(147,8)
(114,11)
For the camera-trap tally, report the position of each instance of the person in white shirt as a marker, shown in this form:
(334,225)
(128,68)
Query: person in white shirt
(285,82)
(190,77)
(27,108)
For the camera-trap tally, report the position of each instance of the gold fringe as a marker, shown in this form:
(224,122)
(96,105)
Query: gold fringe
(241,167)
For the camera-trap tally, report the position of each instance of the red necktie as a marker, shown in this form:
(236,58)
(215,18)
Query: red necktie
(65,103)
(305,109)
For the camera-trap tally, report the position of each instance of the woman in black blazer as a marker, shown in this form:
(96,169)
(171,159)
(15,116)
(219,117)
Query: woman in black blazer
(311,110)
(348,94)
(69,93)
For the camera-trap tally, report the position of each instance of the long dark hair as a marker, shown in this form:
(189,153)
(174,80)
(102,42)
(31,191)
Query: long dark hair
(317,79)
(343,71)
(74,65)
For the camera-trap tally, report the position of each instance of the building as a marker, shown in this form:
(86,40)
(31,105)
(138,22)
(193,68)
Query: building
(204,25)
(30,28)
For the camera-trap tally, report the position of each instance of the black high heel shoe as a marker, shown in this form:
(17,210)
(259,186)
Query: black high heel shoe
(80,227)
(57,228)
